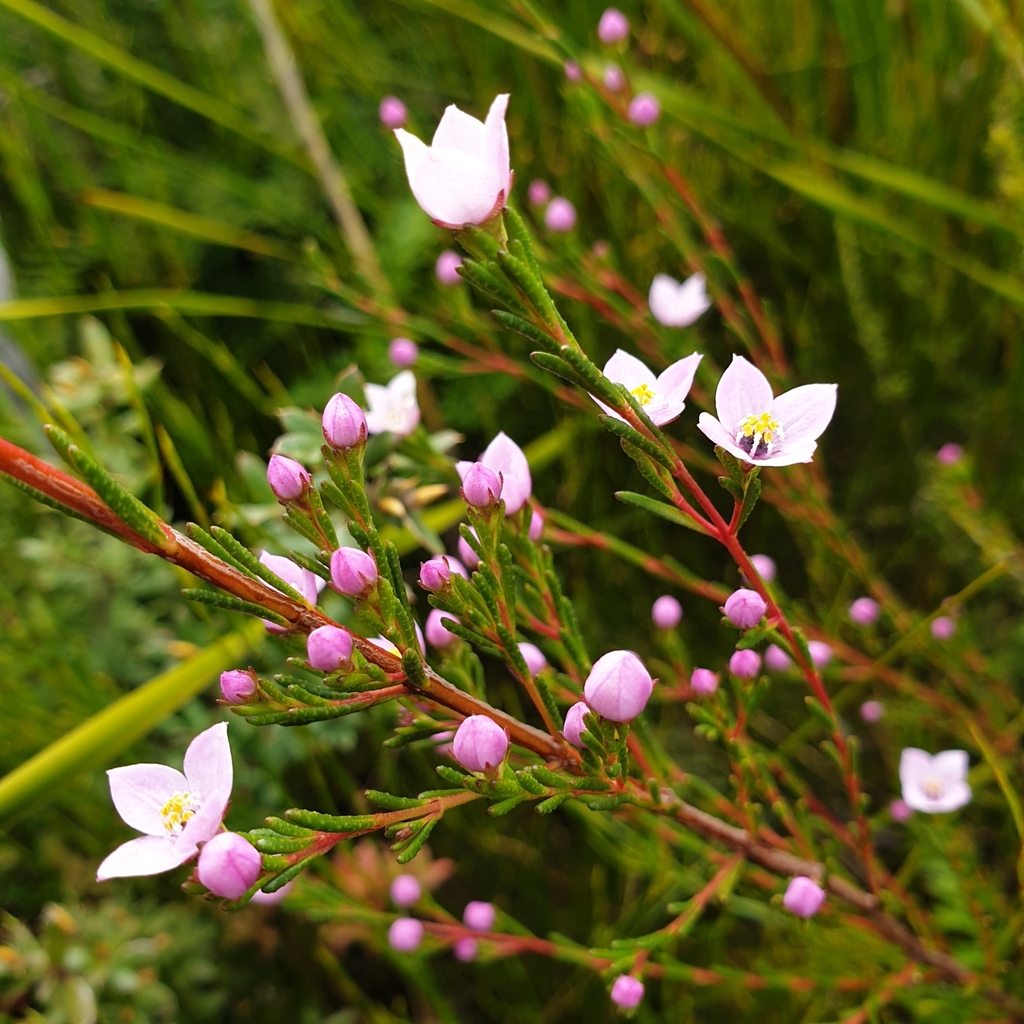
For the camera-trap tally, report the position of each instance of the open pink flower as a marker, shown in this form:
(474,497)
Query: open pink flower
(504,456)
(678,303)
(463,176)
(393,407)
(175,811)
(763,430)
(936,784)
(662,397)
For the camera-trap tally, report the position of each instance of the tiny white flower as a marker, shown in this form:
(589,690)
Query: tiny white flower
(936,784)
(678,304)
(393,407)
(662,397)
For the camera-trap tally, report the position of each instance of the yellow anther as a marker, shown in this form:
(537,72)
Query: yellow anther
(933,788)
(177,811)
(643,394)
(761,423)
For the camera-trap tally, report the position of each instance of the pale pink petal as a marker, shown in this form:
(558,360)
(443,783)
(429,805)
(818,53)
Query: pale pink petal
(462,468)
(711,428)
(955,796)
(692,300)
(208,764)
(504,456)
(459,131)
(147,855)
(743,391)
(608,411)
(786,456)
(414,151)
(915,765)
(494,152)
(661,413)
(674,383)
(455,188)
(804,412)
(951,765)
(307,583)
(139,791)
(662,299)
(625,369)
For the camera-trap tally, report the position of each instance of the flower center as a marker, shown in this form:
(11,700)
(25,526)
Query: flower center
(933,788)
(643,394)
(178,810)
(759,435)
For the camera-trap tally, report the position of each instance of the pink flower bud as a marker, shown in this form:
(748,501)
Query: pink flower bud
(573,725)
(329,648)
(573,72)
(534,657)
(618,686)
(745,664)
(228,865)
(353,572)
(237,686)
(466,553)
(627,991)
(821,653)
(344,423)
(745,608)
(644,109)
(950,454)
(943,627)
(804,896)
(402,352)
(437,635)
(613,78)
(666,612)
(560,215)
(392,112)
(405,934)
(872,710)
(900,810)
(703,681)
(539,192)
(447,267)
(765,567)
(271,899)
(777,659)
(405,890)
(481,487)
(466,949)
(435,574)
(288,480)
(864,611)
(479,916)
(613,27)
(480,744)
(536,530)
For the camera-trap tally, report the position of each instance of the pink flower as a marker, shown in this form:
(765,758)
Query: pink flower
(627,991)
(560,216)
(613,78)
(344,424)
(536,530)
(237,686)
(776,658)
(466,553)
(534,657)
(864,611)
(613,27)
(821,653)
(644,109)
(466,949)
(392,112)
(446,269)
(481,487)
(405,891)
(661,397)
(175,811)
(329,648)
(393,407)
(950,454)
(943,627)
(618,686)
(763,430)
(666,612)
(504,456)
(353,572)
(403,352)
(437,635)
(872,710)
(479,916)
(804,896)
(936,784)
(703,681)
(229,865)
(463,176)
(573,72)
(436,573)
(539,192)
(480,744)
(307,583)
(765,567)
(900,810)
(573,726)
(405,934)
(287,478)
(677,304)
(745,664)
(745,608)
(271,899)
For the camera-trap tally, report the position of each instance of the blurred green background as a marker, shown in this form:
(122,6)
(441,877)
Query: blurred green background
(866,162)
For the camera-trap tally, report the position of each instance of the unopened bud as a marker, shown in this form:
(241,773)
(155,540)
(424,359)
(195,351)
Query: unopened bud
(403,352)
(618,686)
(864,611)
(479,916)
(560,216)
(437,634)
(804,896)
(776,659)
(288,480)
(480,744)
(627,991)
(344,423)
(534,658)
(765,567)
(703,681)
(405,934)
(481,487)
(435,574)
(353,572)
(644,109)
(573,727)
(745,608)
(536,526)
(329,648)
(392,112)
(405,891)
(745,664)
(237,686)
(666,612)
(229,865)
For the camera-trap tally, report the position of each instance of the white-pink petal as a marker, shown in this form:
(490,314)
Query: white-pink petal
(804,413)
(459,131)
(139,791)
(147,855)
(629,371)
(675,381)
(208,765)
(742,391)
(393,408)
(504,456)
(676,304)
(307,583)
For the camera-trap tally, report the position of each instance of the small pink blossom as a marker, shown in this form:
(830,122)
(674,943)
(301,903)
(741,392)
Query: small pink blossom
(745,608)
(539,192)
(479,916)
(677,303)
(761,429)
(436,573)
(403,352)
(935,785)
(618,686)
(481,487)
(776,659)
(864,611)
(943,627)
(405,934)
(534,657)
(229,865)
(627,991)
(950,454)
(613,27)
(803,897)
(821,653)
(661,397)
(175,811)
(666,612)
(344,423)
(405,891)
(287,478)
(900,810)
(703,681)
(466,553)
(392,112)
(573,726)
(560,216)
(573,72)
(307,583)
(504,456)
(745,664)
(480,744)
(613,78)
(353,572)
(765,567)
(536,530)
(437,635)
(644,109)
(872,710)
(329,648)
(466,949)
(237,685)
(392,407)
(447,268)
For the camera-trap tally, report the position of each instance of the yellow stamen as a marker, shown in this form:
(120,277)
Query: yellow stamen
(177,812)
(643,394)
(759,434)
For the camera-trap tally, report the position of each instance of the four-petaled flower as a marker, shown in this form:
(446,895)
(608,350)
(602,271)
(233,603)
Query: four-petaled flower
(463,176)
(175,811)
(393,406)
(936,784)
(678,303)
(662,397)
(763,430)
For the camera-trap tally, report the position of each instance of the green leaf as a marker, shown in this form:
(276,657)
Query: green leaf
(659,508)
